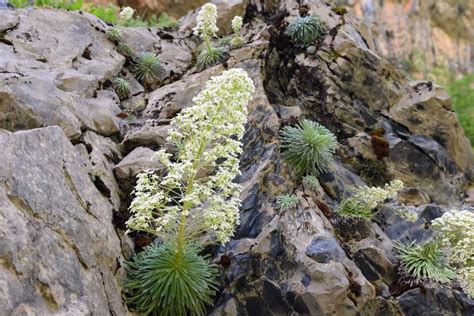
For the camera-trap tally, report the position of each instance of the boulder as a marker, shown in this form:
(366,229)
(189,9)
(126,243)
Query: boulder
(59,250)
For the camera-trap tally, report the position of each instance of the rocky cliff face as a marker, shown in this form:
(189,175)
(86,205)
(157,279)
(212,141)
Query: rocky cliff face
(425,34)
(69,163)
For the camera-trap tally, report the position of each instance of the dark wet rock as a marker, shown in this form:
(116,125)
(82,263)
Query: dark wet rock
(324,248)
(433,301)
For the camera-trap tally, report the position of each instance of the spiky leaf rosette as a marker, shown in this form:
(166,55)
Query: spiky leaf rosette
(305,31)
(121,87)
(211,57)
(147,67)
(114,34)
(125,50)
(351,207)
(425,262)
(308,147)
(162,282)
(287,201)
(311,182)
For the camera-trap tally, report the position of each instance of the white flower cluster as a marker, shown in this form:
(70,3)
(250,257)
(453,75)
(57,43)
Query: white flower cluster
(373,196)
(198,184)
(456,230)
(126,13)
(237,23)
(206,21)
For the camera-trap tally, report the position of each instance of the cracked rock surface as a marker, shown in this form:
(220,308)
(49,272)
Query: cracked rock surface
(69,161)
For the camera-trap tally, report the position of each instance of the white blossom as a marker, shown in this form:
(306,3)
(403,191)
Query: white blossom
(208,137)
(206,21)
(237,22)
(374,196)
(456,230)
(126,13)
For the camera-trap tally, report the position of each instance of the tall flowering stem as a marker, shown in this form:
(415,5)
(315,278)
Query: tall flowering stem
(206,24)
(198,183)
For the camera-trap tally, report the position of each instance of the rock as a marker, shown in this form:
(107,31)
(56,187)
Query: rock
(51,73)
(398,228)
(138,160)
(415,110)
(103,154)
(323,249)
(445,24)
(435,301)
(149,133)
(54,217)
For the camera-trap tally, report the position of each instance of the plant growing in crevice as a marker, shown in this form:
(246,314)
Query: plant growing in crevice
(423,263)
(287,201)
(114,34)
(122,88)
(237,40)
(195,194)
(305,31)
(308,147)
(206,28)
(366,199)
(189,282)
(456,232)
(147,67)
(125,50)
(311,182)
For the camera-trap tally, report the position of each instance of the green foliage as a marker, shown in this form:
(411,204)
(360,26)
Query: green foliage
(462,97)
(308,147)
(237,42)
(114,34)
(287,201)
(212,56)
(311,182)
(350,207)
(125,50)
(147,67)
(121,87)
(57,4)
(425,262)
(305,31)
(164,281)
(107,13)
(164,21)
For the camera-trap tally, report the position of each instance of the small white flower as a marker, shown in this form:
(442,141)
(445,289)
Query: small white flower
(126,13)
(456,230)
(206,21)
(237,22)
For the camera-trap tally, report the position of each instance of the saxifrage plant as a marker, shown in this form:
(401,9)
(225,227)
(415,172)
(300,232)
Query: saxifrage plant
(287,201)
(147,67)
(305,31)
(308,147)
(206,28)
(423,262)
(196,194)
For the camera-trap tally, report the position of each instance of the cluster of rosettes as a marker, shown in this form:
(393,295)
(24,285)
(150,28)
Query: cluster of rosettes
(208,137)
(206,21)
(456,229)
(126,13)
(371,197)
